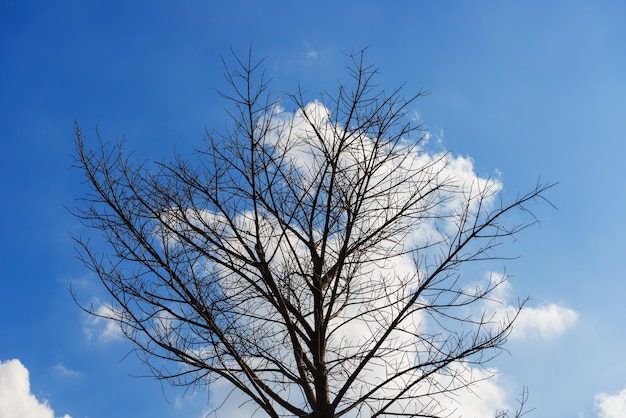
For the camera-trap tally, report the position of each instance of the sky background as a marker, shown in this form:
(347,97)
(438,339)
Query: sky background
(527,89)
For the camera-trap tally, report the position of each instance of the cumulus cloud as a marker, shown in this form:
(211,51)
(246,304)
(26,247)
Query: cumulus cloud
(611,406)
(16,400)
(544,322)
(464,190)
(381,286)
(484,399)
(547,321)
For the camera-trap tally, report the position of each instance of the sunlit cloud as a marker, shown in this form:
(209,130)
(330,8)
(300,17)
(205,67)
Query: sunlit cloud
(544,322)
(611,406)
(471,388)
(484,399)
(16,399)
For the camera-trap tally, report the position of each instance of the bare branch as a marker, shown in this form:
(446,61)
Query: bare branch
(313,260)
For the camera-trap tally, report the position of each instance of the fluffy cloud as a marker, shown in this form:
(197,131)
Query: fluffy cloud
(369,318)
(611,406)
(542,322)
(484,399)
(380,286)
(545,322)
(16,400)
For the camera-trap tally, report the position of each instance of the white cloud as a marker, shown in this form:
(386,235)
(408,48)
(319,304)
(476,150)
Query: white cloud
(611,406)
(61,369)
(16,400)
(484,399)
(310,54)
(102,325)
(545,322)
(486,396)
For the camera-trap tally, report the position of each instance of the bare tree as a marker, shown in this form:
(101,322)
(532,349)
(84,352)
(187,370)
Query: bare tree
(312,259)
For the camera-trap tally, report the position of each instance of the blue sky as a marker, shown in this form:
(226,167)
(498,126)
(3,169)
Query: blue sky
(525,89)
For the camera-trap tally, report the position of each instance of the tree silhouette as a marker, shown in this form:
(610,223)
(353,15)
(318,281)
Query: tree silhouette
(313,259)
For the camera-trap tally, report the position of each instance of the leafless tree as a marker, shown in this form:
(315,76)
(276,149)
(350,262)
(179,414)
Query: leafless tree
(313,259)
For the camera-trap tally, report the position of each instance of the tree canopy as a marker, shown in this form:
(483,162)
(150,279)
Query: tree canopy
(313,259)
